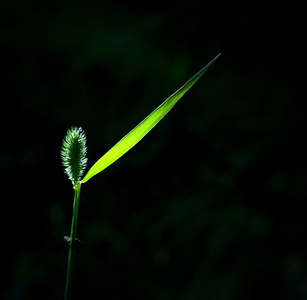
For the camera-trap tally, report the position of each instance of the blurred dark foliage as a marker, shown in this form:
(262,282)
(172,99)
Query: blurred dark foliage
(210,205)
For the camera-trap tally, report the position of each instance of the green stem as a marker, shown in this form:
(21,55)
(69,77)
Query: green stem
(73,235)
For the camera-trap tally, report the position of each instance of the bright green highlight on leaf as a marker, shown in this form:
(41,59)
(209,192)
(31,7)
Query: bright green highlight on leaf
(135,135)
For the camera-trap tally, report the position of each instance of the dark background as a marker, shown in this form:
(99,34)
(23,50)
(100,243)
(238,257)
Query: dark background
(210,205)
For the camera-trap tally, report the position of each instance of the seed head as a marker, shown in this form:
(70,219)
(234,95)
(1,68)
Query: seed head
(73,154)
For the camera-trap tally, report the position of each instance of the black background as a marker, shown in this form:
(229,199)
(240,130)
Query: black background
(210,205)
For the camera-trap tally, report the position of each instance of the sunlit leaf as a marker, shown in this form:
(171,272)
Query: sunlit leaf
(135,135)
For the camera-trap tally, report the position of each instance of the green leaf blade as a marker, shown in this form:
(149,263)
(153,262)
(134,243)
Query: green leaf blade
(135,135)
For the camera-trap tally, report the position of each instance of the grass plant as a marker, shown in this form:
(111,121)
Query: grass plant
(74,160)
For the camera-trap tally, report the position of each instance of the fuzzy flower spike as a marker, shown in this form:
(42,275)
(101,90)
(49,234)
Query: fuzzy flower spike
(73,154)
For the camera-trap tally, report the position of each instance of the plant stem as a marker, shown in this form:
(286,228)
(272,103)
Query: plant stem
(73,235)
